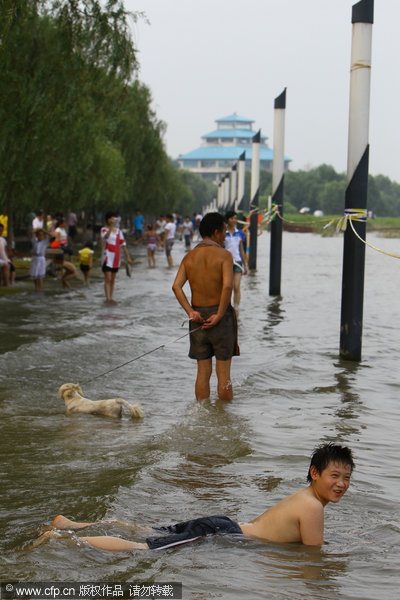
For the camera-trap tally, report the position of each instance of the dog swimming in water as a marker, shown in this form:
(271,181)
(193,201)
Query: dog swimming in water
(75,403)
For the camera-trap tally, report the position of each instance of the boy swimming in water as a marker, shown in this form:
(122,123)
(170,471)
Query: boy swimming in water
(297,518)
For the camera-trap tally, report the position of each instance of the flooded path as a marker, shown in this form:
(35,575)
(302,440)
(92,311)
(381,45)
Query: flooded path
(187,459)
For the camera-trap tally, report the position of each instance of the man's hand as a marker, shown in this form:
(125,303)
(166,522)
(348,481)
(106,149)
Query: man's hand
(211,321)
(196,317)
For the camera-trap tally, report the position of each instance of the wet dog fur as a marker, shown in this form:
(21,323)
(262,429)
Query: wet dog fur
(75,403)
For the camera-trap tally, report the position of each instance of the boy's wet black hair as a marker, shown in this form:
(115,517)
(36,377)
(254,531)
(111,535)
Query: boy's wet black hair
(327,453)
(211,222)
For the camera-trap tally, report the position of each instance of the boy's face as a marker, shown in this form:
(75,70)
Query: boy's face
(332,483)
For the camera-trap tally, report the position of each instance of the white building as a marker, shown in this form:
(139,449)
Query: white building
(220,149)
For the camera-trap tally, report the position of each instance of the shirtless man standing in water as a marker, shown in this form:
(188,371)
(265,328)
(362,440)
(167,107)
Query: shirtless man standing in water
(297,518)
(209,270)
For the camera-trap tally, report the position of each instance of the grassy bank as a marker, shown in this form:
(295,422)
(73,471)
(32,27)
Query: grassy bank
(385,226)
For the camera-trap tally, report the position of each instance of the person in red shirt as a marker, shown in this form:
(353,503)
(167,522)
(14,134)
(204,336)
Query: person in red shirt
(112,240)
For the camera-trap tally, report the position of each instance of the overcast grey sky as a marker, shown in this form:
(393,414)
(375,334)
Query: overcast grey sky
(205,60)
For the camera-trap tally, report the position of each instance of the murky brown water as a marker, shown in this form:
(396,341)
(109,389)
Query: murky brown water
(187,459)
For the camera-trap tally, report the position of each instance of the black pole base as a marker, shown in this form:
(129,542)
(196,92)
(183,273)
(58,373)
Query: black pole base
(275,259)
(354,265)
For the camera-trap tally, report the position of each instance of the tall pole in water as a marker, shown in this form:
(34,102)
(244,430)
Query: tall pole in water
(223,193)
(239,204)
(226,190)
(219,196)
(357,182)
(278,169)
(254,193)
(232,202)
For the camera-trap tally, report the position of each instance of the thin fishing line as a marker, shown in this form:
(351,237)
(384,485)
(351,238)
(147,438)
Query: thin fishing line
(141,355)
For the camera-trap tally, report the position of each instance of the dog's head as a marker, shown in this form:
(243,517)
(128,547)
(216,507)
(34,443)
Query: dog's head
(69,390)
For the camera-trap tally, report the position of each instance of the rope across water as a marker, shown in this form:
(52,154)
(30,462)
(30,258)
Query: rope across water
(141,355)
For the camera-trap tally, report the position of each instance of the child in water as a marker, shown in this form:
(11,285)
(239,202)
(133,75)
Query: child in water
(86,260)
(298,518)
(37,272)
(153,240)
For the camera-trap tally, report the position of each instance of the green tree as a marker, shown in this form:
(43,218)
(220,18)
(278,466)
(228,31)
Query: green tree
(331,198)
(64,71)
(383,196)
(202,192)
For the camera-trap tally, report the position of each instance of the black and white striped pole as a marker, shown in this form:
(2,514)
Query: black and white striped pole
(357,182)
(226,190)
(254,193)
(278,170)
(223,193)
(232,201)
(239,205)
(219,195)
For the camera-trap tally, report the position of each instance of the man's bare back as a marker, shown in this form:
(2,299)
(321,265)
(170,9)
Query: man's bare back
(209,270)
(208,267)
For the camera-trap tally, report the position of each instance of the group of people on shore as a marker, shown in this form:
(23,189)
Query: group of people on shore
(53,239)
(235,241)
(163,232)
(159,234)
(54,234)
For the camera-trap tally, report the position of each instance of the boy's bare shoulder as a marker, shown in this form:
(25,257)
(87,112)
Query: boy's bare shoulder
(307,502)
(303,499)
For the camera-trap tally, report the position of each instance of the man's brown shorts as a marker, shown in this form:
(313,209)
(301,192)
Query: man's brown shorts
(220,340)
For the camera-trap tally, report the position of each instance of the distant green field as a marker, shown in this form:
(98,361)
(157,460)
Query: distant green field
(388,226)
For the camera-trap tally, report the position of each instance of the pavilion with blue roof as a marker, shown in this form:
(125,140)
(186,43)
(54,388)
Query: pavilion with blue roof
(221,148)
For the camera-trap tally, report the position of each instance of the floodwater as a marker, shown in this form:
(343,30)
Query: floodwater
(188,459)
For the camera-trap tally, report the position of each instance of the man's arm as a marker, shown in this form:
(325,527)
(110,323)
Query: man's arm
(177,288)
(312,525)
(128,258)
